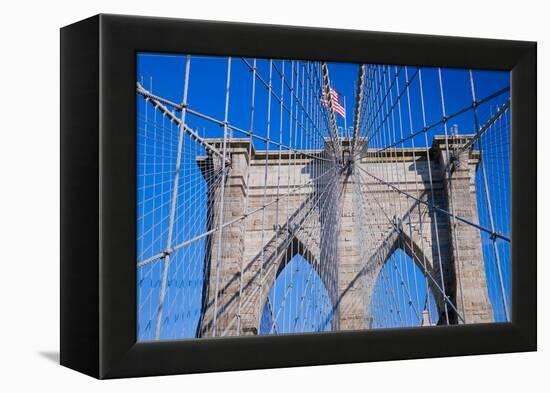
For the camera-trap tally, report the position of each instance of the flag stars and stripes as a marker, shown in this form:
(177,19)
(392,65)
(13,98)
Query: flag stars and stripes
(336,106)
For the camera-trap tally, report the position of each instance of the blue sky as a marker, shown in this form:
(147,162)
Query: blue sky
(157,138)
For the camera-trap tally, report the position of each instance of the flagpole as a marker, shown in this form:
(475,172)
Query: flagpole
(345,117)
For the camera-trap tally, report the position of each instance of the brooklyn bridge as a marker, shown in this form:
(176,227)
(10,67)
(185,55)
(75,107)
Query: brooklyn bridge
(266,205)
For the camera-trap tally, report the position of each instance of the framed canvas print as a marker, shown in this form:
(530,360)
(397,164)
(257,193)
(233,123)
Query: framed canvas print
(266,196)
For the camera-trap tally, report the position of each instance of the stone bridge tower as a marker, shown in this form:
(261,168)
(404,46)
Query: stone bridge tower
(303,205)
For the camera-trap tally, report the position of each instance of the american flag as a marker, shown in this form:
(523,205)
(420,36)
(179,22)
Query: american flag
(336,106)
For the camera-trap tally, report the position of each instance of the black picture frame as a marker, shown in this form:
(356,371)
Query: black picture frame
(98,175)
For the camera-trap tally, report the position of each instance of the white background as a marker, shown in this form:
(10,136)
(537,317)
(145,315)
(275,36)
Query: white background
(29,194)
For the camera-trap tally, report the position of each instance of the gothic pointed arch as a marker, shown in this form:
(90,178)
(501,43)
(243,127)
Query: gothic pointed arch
(298,253)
